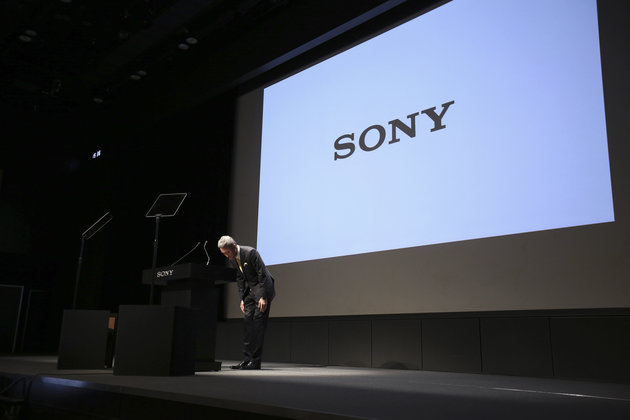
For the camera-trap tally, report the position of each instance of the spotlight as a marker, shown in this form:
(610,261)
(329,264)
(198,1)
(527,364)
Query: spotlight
(25,38)
(191,40)
(134,77)
(183,46)
(141,73)
(30,33)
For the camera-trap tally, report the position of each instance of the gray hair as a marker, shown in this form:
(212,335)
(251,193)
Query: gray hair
(226,242)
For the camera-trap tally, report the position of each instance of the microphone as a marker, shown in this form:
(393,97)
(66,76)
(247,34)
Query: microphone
(186,254)
(206,251)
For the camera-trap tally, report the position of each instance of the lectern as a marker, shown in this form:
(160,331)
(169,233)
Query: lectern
(154,340)
(194,286)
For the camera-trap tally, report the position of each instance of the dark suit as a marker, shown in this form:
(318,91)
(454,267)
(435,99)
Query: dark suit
(254,282)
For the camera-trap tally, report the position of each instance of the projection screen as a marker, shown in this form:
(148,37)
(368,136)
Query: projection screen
(456,162)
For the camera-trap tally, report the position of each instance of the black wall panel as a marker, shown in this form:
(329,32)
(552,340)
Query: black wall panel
(396,344)
(230,340)
(591,347)
(309,342)
(451,345)
(516,346)
(350,343)
(588,344)
(277,346)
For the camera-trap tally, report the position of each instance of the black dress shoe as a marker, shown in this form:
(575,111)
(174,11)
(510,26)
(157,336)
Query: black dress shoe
(251,366)
(241,365)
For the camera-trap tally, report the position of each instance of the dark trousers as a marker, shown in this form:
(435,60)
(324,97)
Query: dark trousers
(255,323)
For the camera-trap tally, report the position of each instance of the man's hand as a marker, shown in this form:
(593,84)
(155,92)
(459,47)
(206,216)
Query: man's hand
(242,306)
(262,305)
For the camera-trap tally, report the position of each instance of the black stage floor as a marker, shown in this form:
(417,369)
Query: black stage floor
(301,392)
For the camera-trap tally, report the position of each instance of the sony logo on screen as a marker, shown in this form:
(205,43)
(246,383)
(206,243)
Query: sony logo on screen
(345,145)
(165,273)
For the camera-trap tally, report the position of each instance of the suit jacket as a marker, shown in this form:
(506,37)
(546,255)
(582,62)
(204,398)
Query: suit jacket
(255,279)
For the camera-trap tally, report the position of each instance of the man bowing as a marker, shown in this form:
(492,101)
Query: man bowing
(256,291)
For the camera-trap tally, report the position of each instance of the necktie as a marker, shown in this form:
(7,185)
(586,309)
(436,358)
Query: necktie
(238,261)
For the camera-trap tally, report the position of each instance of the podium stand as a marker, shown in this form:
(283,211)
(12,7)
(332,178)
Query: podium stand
(83,341)
(193,286)
(155,341)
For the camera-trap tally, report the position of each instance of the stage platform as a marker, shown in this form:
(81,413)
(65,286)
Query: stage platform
(34,389)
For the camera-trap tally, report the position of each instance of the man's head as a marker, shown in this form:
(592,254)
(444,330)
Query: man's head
(227,246)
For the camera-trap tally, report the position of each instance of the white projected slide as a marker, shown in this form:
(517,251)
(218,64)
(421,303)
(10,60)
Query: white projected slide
(477,119)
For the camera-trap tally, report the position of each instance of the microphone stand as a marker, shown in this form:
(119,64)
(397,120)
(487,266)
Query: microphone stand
(206,251)
(76,282)
(186,254)
(155,250)
(89,232)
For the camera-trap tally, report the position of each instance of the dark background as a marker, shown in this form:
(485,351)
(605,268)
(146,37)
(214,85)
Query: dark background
(67,91)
